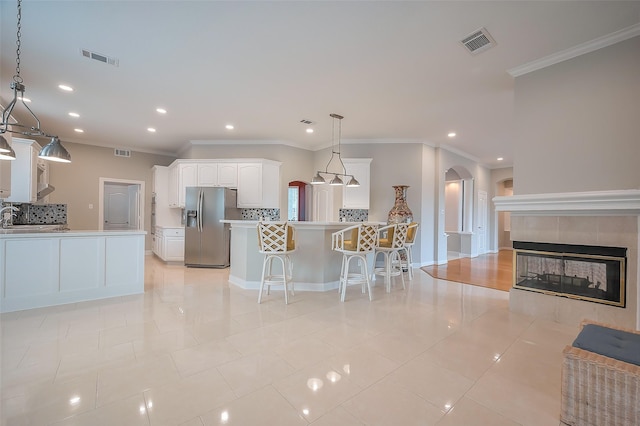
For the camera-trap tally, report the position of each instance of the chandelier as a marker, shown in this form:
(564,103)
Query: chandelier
(318,179)
(54,150)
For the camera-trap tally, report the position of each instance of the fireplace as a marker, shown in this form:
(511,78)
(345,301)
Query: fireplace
(583,220)
(591,273)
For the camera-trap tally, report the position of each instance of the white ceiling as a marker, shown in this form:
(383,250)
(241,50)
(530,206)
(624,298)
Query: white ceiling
(395,70)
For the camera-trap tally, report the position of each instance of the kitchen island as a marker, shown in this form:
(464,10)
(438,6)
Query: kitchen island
(316,267)
(40,269)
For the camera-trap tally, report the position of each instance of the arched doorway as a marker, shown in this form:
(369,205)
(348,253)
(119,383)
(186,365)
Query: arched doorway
(298,208)
(458,206)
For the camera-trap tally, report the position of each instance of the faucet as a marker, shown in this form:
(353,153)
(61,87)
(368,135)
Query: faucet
(7,218)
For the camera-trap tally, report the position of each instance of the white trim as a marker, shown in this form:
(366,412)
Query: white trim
(301,286)
(620,202)
(581,49)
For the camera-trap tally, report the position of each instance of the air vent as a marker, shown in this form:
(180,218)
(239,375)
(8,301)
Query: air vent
(478,41)
(99,57)
(306,121)
(122,152)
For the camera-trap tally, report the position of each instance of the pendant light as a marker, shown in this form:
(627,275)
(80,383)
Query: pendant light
(54,150)
(336,181)
(6,152)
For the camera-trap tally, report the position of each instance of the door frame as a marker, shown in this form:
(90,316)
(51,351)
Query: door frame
(141,197)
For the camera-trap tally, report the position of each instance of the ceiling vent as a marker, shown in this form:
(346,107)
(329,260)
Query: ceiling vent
(122,152)
(306,121)
(478,41)
(98,57)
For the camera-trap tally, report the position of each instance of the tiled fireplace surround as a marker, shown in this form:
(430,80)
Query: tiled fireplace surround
(604,218)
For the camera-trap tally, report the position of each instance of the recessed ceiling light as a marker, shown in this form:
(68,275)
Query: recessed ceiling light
(161,110)
(24,99)
(78,130)
(65,88)
(452,134)
(229,127)
(151,129)
(499,158)
(74,114)
(309,130)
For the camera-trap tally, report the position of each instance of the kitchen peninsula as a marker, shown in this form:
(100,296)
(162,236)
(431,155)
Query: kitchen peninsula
(316,267)
(40,269)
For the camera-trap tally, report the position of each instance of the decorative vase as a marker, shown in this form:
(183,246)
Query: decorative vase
(400,213)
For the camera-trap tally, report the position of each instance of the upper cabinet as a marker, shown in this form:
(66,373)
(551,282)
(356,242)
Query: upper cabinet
(259,184)
(5,173)
(24,171)
(227,173)
(357,197)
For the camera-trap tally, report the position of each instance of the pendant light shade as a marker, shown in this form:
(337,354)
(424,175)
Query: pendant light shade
(6,152)
(54,151)
(353,183)
(336,181)
(317,179)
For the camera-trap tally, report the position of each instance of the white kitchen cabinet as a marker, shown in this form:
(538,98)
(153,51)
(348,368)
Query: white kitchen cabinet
(47,269)
(228,175)
(259,184)
(24,171)
(169,244)
(213,173)
(5,172)
(357,197)
(207,174)
(173,185)
(184,173)
(162,214)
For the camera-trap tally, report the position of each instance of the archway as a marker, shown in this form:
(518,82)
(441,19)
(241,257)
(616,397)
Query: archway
(458,206)
(298,207)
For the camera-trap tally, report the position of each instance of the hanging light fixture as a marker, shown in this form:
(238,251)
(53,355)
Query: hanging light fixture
(6,152)
(318,179)
(54,150)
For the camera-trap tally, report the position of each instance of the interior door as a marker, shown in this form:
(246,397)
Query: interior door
(116,207)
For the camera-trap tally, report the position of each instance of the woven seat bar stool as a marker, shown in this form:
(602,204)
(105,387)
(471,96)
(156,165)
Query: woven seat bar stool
(407,261)
(355,242)
(276,240)
(391,240)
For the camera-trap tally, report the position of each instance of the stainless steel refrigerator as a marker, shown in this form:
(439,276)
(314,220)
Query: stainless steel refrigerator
(206,240)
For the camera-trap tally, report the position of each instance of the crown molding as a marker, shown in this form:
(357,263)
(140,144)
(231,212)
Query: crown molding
(581,49)
(589,203)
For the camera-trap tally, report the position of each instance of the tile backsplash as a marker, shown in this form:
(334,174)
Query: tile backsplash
(353,215)
(256,214)
(41,214)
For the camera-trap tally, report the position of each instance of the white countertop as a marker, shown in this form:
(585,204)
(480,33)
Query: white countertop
(8,233)
(297,224)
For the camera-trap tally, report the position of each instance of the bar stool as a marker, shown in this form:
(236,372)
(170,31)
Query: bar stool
(276,240)
(391,240)
(355,242)
(412,231)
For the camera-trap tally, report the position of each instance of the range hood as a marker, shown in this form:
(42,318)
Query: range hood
(44,190)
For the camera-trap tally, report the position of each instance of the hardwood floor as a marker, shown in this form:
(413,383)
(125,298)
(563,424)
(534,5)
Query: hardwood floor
(489,270)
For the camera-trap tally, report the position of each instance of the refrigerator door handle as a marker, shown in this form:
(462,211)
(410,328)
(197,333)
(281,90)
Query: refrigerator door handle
(200,210)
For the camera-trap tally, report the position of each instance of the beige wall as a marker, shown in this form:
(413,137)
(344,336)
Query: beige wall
(77,183)
(577,123)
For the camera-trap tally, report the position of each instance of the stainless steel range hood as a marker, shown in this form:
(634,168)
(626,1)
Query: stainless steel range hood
(44,190)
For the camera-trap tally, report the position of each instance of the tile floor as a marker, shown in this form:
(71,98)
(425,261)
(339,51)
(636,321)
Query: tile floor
(195,351)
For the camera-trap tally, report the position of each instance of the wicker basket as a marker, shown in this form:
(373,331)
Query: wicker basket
(597,390)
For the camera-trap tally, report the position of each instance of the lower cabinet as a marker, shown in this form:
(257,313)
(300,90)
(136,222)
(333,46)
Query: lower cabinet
(51,269)
(168,244)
